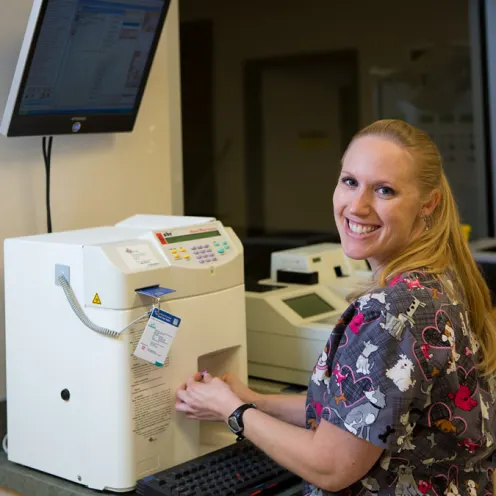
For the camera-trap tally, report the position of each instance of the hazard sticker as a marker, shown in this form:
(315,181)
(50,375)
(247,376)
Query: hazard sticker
(96,300)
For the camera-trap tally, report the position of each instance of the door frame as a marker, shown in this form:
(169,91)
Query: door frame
(253,114)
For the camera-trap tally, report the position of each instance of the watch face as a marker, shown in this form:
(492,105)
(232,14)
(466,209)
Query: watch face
(233,424)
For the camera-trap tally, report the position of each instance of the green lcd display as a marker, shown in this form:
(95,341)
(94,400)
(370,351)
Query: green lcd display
(191,237)
(309,305)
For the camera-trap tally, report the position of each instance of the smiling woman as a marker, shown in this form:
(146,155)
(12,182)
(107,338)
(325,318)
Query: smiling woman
(405,385)
(378,207)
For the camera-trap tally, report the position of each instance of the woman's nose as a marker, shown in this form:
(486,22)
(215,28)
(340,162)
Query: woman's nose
(360,204)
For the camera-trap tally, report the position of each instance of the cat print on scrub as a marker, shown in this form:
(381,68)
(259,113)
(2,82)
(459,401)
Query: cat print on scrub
(321,370)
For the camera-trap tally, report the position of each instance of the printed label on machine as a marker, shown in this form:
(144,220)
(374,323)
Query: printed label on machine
(138,256)
(157,338)
(152,396)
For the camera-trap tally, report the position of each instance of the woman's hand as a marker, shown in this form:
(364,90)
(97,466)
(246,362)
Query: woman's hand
(243,392)
(206,398)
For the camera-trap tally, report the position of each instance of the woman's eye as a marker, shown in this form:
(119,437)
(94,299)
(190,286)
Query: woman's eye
(385,191)
(349,181)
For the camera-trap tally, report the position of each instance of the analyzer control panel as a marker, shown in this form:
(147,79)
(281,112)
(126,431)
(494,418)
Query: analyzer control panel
(197,245)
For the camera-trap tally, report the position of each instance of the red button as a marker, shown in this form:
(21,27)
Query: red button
(161,238)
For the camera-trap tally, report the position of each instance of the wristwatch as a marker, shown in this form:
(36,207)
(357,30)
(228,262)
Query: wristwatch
(235,420)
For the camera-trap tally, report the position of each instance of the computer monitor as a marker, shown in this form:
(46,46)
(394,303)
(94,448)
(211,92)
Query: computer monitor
(83,66)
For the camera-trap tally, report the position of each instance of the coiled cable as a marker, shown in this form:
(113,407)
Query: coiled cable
(71,298)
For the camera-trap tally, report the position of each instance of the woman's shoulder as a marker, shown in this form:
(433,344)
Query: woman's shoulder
(413,291)
(400,294)
(415,301)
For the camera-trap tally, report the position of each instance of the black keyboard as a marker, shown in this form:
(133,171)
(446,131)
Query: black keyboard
(240,469)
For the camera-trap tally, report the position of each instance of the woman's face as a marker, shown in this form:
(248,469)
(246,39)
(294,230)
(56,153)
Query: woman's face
(377,205)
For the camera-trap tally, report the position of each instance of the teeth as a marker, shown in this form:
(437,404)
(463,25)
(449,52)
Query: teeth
(360,229)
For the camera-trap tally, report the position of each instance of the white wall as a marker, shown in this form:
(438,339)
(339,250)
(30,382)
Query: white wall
(96,180)
(383,32)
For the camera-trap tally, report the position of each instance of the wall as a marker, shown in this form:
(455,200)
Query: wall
(298,173)
(383,32)
(96,180)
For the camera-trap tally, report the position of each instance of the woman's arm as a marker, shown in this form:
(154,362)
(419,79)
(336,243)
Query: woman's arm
(329,458)
(287,407)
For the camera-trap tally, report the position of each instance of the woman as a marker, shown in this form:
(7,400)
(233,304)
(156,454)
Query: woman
(415,413)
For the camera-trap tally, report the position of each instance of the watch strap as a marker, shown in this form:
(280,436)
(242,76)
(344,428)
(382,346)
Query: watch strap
(238,415)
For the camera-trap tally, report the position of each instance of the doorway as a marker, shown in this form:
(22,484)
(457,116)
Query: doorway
(301,111)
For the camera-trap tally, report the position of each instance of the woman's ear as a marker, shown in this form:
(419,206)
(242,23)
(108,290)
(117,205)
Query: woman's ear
(432,203)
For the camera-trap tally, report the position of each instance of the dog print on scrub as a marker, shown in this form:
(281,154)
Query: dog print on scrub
(401,373)
(363,365)
(383,377)
(360,418)
(449,337)
(397,325)
(364,300)
(321,370)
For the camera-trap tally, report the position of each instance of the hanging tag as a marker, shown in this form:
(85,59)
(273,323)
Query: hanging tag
(155,291)
(157,337)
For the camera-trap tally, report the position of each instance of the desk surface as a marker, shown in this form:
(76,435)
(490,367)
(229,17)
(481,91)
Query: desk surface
(30,482)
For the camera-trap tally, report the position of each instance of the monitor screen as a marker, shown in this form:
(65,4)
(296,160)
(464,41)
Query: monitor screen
(309,305)
(87,65)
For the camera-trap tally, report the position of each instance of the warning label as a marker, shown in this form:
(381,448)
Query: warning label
(96,300)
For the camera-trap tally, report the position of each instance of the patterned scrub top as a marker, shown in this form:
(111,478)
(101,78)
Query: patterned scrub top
(399,371)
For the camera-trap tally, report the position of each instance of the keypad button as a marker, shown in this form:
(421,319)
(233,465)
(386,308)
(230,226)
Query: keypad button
(201,261)
(183,250)
(174,252)
(214,260)
(199,257)
(193,248)
(187,257)
(177,257)
(227,247)
(224,242)
(220,250)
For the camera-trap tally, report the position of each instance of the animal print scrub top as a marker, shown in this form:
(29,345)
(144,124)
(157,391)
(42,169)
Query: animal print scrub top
(398,370)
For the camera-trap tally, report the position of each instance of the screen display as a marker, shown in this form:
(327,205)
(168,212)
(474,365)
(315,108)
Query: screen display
(90,57)
(191,237)
(309,305)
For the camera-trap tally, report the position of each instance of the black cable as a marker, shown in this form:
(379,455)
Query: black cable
(47,155)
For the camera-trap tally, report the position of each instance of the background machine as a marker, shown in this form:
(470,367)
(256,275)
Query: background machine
(323,263)
(288,327)
(291,315)
(81,406)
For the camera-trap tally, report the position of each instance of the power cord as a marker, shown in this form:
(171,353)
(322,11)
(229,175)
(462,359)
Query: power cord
(76,307)
(47,156)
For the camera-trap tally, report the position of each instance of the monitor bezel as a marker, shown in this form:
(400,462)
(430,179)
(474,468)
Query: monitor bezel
(16,125)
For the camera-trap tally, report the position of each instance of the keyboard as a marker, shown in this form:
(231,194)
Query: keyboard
(240,469)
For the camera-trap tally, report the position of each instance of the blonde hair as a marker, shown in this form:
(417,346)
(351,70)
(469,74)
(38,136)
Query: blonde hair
(443,246)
